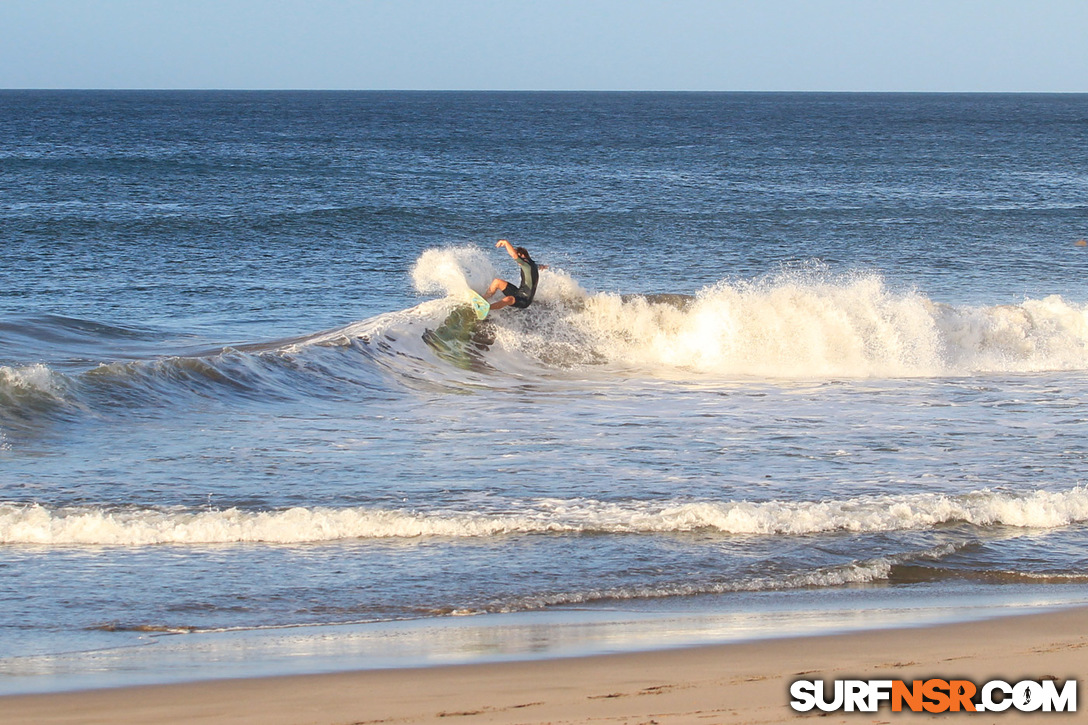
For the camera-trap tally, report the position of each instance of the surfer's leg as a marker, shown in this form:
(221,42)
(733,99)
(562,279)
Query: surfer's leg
(504,302)
(496,285)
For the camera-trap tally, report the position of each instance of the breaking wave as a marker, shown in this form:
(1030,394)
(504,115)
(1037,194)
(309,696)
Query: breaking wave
(133,526)
(804,323)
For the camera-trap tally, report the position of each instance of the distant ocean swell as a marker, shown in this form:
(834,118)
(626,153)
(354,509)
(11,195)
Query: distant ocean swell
(136,526)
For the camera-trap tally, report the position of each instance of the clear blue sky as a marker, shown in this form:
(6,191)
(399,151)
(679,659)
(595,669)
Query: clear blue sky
(806,45)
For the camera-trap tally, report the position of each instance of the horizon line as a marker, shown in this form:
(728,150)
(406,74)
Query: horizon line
(523,90)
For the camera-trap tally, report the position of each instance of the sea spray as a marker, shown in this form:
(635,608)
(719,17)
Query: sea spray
(453,271)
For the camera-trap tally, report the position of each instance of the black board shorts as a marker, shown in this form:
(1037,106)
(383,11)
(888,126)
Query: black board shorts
(521,299)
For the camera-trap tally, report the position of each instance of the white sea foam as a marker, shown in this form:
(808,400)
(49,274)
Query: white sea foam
(35,524)
(804,328)
(802,323)
(1044,334)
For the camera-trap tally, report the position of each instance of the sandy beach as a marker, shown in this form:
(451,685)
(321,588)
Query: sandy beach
(735,683)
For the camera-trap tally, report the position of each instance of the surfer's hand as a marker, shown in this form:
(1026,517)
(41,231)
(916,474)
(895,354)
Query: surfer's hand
(501,242)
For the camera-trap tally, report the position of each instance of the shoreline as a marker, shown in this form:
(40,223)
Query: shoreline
(723,683)
(107,659)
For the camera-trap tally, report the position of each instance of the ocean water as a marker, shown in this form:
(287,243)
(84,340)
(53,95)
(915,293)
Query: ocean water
(792,353)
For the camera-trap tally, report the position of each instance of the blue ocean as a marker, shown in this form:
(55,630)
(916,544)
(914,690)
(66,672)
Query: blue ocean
(799,362)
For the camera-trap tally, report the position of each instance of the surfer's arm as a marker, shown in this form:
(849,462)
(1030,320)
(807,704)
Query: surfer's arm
(509,247)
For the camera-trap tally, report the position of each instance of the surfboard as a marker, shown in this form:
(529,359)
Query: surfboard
(479,305)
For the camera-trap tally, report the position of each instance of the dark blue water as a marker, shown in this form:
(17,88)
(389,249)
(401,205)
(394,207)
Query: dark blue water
(158,206)
(786,343)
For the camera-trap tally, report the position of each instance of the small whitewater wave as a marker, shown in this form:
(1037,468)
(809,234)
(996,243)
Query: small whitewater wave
(853,573)
(858,573)
(847,574)
(865,572)
(37,524)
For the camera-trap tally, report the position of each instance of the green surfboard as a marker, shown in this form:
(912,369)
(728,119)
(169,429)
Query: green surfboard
(479,305)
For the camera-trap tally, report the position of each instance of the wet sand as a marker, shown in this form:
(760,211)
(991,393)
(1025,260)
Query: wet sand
(732,683)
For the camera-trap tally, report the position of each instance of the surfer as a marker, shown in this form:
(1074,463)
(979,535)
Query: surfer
(522,295)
